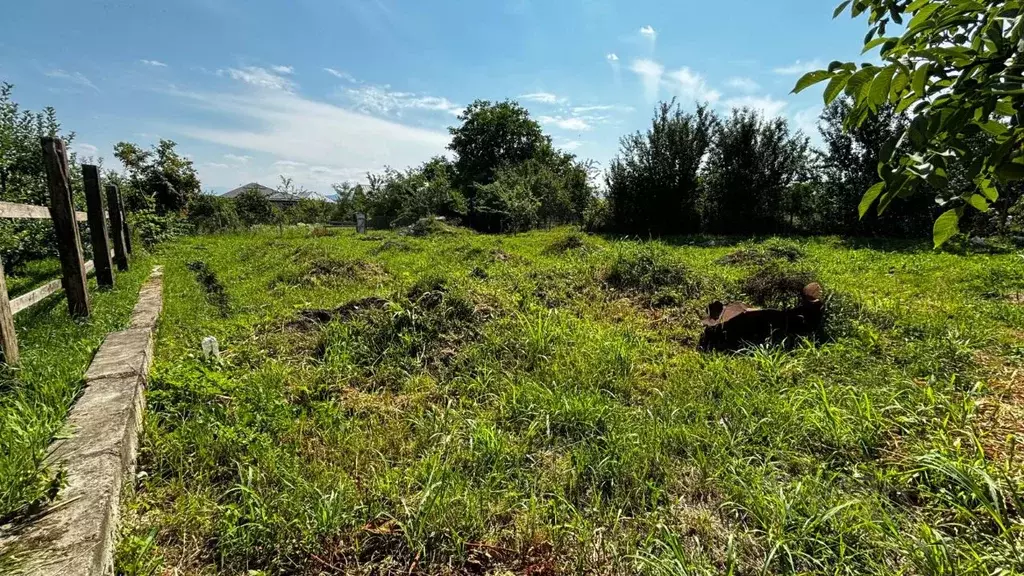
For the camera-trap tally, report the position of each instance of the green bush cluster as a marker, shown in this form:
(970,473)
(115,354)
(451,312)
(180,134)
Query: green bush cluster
(744,174)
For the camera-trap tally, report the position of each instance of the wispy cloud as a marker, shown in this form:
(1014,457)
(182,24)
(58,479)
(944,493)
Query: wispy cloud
(692,86)
(569,145)
(650,73)
(543,98)
(154,63)
(613,61)
(799,67)
(86,150)
(331,143)
(742,84)
(766,105)
(283,69)
(572,123)
(382,100)
(648,32)
(342,75)
(259,77)
(577,110)
(73,77)
(806,121)
(237,158)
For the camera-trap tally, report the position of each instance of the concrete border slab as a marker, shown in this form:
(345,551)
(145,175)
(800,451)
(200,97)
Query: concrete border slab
(76,535)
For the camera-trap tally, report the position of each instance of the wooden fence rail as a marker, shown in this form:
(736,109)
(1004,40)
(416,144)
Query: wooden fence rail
(10,210)
(74,270)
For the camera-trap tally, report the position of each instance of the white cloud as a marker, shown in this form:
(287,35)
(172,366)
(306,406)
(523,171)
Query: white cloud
(543,98)
(569,145)
(154,63)
(572,123)
(650,73)
(648,32)
(322,142)
(613,61)
(259,77)
(577,110)
(283,69)
(215,165)
(692,86)
(382,100)
(806,121)
(86,150)
(799,67)
(237,158)
(342,75)
(73,77)
(767,105)
(743,84)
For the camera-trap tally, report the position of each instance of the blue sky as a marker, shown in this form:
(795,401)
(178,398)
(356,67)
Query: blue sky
(326,90)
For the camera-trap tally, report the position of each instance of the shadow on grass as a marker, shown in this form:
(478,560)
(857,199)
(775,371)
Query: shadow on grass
(31,275)
(898,245)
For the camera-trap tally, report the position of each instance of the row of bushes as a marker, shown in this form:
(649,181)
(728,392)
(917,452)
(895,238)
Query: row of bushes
(690,172)
(695,172)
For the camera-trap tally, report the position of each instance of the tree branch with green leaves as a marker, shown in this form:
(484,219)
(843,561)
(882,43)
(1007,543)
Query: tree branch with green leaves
(956,68)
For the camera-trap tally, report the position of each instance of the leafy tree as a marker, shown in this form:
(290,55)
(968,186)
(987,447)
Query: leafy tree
(750,166)
(493,135)
(309,211)
(208,214)
(849,166)
(349,200)
(22,173)
(511,203)
(254,208)
(653,182)
(397,198)
(23,178)
(957,65)
(159,179)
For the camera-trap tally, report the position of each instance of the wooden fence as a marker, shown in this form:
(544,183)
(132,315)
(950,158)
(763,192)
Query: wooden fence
(74,270)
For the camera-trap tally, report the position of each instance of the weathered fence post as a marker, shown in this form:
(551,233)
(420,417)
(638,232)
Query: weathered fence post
(117,227)
(8,337)
(97,226)
(62,212)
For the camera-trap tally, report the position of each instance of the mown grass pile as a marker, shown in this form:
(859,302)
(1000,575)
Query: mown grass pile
(459,403)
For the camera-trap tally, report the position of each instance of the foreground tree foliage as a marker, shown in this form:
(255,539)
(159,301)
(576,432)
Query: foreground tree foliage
(957,66)
(849,166)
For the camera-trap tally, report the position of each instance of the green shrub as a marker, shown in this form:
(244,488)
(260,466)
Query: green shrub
(648,268)
(208,214)
(151,228)
(254,208)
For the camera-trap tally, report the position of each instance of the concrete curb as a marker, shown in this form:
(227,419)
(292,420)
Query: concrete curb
(76,536)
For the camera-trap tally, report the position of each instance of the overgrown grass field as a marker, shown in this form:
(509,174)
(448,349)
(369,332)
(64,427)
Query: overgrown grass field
(535,404)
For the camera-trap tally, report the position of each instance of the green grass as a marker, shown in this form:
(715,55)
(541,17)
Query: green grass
(35,397)
(535,404)
(32,275)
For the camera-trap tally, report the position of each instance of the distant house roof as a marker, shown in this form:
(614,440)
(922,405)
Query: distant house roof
(275,195)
